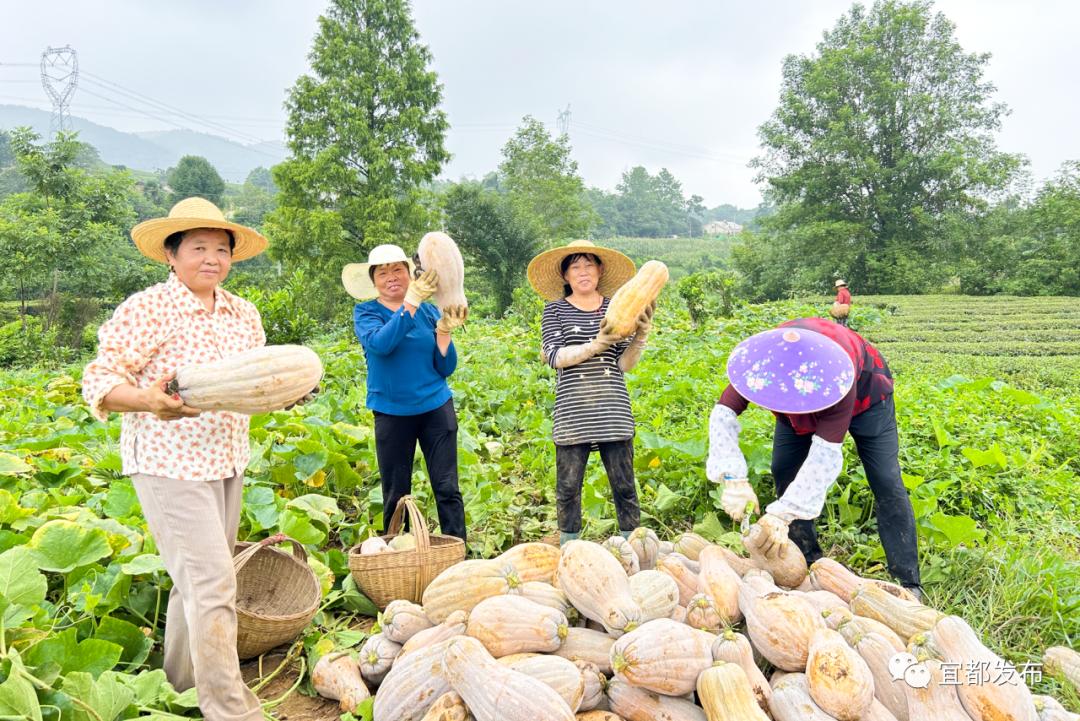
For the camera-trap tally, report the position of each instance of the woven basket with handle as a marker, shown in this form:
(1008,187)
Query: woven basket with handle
(277,594)
(393,575)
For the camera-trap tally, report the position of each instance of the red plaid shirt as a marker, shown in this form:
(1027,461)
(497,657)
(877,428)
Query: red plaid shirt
(873,384)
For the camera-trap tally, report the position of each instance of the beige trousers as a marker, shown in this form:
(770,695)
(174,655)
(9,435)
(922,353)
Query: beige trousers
(194,524)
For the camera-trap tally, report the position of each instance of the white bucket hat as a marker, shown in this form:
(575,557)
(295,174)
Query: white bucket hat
(839,283)
(355,276)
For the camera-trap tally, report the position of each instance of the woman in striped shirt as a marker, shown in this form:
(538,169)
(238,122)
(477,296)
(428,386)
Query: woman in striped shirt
(592,406)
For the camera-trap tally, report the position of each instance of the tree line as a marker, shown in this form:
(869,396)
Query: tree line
(879,164)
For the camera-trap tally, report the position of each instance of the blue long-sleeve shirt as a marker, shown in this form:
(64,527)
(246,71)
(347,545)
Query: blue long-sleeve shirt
(406,372)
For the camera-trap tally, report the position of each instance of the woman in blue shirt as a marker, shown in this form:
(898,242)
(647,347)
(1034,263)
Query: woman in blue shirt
(410,354)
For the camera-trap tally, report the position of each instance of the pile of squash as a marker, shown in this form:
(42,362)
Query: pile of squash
(641,629)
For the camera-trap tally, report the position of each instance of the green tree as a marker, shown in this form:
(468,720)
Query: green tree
(262,178)
(879,136)
(66,233)
(495,236)
(542,180)
(194,176)
(365,134)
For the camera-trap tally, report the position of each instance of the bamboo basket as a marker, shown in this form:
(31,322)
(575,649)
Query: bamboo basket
(840,310)
(393,575)
(277,595)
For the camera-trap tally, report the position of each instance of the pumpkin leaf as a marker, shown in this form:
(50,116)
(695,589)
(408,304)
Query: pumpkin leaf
(63,546)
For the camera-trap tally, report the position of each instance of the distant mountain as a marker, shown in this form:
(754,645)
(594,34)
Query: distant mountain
(156,150)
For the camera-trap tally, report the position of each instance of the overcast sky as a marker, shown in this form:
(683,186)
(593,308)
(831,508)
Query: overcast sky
(673,84)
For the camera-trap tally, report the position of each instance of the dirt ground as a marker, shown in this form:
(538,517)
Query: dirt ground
(297,706)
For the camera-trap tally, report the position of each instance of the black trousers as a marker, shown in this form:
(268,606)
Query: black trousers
(878,445)
(395,446)
(570,462)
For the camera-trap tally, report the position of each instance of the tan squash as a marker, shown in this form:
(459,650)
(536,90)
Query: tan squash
(547,595)
(726,694)
(646,546)
(448,707)
(852,624)
(562,675)
(733,647)
(717,579)
(634,296)
(686,579)
(512,624)
(465,584)
(701,613)
(638,704)
(824,601)
(780,626)
(907,618)
(836,616)
(413,685)
(1064,662)
(260,380)
(593,683)
(878,712)
(656,594)
(599,716)
(691,544)
(679,614)
(376,657)
(787,567)
(739,564)
(662,656)
(583,644)
(402,619)
(623,552)
(454,625)
(829,575)
(791,701)
(1005,699)
(597,586)
(533,561)
(840,681)
(1050,709)
(928,697)
(493,692)
(438,251)
(877,651)
(336,676)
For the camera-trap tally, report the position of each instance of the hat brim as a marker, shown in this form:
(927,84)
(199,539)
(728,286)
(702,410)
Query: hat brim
(791,370)
(547,280)
(150,235)
(357,282)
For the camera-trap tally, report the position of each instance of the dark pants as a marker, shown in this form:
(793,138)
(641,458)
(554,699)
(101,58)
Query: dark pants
(842,321)
(395,446)
(874,432)
(570,462)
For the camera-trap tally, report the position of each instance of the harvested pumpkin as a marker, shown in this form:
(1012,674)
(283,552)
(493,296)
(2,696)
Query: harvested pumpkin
(634,296)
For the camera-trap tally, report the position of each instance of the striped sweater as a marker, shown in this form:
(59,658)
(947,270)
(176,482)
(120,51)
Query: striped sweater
(591,402)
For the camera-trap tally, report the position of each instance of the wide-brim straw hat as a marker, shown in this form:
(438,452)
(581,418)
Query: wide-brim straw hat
(355,278)
(546,278)
(188,214)
(839,283)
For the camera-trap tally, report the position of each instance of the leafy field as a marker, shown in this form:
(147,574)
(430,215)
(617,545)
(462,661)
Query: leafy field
(990,449)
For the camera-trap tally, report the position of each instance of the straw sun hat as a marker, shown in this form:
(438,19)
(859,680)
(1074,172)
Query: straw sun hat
(355,278)
(839,283)
(190,213)
(547,280)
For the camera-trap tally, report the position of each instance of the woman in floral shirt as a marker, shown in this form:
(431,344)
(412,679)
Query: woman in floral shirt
(187,466)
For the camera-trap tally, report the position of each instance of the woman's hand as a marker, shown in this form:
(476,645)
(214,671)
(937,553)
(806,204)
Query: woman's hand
(166,407)
(606,338)
(453,317)
(644,320)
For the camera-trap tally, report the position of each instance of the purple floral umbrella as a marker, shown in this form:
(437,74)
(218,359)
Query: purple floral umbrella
(791,370)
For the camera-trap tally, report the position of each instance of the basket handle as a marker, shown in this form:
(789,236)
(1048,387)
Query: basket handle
(240,560)
(418,526)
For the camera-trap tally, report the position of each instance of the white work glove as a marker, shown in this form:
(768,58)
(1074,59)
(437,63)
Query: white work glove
(422,288)
(737,497)
(572,355)
(725,459)
(804,499)
(769,535)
